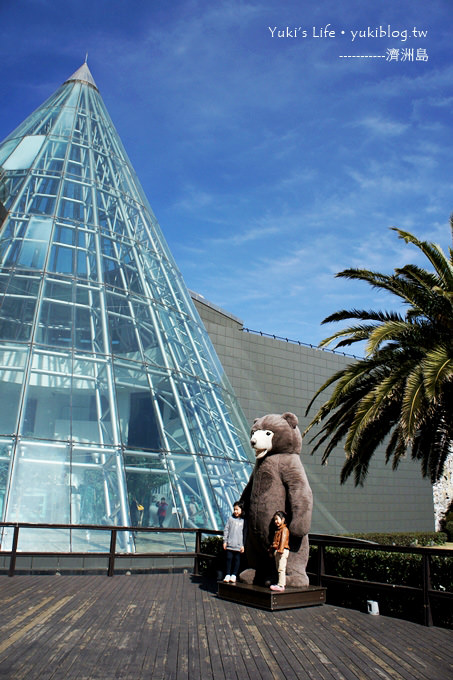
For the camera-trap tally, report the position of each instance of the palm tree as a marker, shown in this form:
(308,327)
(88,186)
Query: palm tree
(402,390)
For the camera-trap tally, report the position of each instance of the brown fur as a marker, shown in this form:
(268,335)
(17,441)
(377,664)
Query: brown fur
(278,482)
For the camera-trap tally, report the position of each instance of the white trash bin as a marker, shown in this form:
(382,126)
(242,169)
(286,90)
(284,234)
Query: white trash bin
(373,607)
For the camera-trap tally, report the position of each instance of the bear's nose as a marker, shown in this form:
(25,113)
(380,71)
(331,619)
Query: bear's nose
(253,441)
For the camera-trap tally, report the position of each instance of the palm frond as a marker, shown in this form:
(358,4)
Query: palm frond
(371,409)
(390,330)
(437,369)
(433,253)
(396,448)
(363,314)
(445,293)
(412,403)
(349,335)
(417,274)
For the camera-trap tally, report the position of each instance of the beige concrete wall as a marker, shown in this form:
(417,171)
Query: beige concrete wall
(274,376)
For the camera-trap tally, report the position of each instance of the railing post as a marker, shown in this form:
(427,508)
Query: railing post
(12,561)
(427,613)
(197,552)
(320,564)
(112,553)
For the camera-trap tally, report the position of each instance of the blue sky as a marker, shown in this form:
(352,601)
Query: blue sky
(270,162)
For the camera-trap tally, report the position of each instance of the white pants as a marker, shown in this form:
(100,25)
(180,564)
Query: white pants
(280,561)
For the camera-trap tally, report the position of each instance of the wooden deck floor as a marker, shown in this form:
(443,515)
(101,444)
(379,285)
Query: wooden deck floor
(165,626)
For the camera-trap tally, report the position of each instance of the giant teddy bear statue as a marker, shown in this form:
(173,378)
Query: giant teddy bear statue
(278,482)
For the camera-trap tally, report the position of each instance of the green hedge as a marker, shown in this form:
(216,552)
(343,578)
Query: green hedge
(405,539)
(390,568)
(212,545)
(394,568)
(449,530)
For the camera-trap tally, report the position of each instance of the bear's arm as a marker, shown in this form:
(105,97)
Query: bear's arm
(300,497)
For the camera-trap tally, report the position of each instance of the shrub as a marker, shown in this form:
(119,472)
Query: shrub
(212,545)
(388,568)
(405,539)
(448,517)
(449,529)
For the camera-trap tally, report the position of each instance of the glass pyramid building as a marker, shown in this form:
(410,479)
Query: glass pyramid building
(111,395)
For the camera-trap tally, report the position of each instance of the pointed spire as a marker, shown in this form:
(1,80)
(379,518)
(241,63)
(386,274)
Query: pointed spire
(83,74)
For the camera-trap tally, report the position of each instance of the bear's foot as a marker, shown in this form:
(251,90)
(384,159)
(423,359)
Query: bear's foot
(297,580)
(252,577)
(247,576)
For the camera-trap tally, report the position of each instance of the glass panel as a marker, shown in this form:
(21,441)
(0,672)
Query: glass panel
(178,342)
(163,502)
(44,205)
(147,481)
(39,229)
(67,540)
(88,328)
(226,487)
(39,484)
(93,540)
(32,254)
(55,324)
(16,318)
(61,260)
(76,202)
(33,248)
(138,417)
(169,415)
(48,397)
(26,284)
(48,540)
(241,474)
(92,410)
(149,340)
(63,127)
(64,234)
(194,503)
(113,273)
(202,417)
(12,365)
(158,542)
(14,227)
(53,156)
(58,289)
(98,492)
(5,458)
(82,265)
(25,153)
(6,149)
(80,134)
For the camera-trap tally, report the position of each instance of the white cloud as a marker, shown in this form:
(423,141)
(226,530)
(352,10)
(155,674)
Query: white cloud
(379,126)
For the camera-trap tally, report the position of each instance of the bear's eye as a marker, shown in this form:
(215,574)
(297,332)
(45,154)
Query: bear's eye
(268,433)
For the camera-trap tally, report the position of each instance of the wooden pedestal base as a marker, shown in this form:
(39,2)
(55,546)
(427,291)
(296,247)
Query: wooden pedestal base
(264,598)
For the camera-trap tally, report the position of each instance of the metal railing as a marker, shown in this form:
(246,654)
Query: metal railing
(113,552)
(426,592)
(317,577)
(299,342)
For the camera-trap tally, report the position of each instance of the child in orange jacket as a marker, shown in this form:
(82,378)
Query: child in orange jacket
(280,549)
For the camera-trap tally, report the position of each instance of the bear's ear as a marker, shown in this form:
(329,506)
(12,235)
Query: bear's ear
(256,420)
(291,418)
